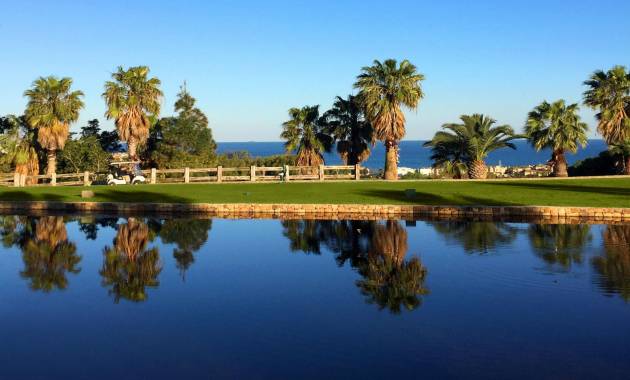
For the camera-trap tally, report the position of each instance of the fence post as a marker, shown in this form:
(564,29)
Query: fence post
(286,173)
(219,173)
(23,178)
(16,179)
(53,179)
(321,172)
(186,175)
(153,179)
(86,178)
(357,172)
(252,173)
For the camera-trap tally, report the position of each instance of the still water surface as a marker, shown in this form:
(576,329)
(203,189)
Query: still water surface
(91,297)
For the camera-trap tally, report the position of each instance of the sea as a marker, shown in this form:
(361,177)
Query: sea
(414,155)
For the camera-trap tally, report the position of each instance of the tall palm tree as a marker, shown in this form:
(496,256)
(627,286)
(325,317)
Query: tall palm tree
(609,94)
(383,89)
(51,108)
(387,279)
(129,267)
(556,126)
(303,133)
(613,266)
(133,101)
(347,124)
(477,134)
(48,255)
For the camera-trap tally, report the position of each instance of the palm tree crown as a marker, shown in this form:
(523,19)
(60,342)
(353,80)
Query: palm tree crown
(472,141)
(303,133)
(133,101)
(558,127)
(51,107)
(346,123)
(609,94)
(383,89)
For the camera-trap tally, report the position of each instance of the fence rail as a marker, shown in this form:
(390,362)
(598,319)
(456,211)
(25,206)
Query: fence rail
(195,175)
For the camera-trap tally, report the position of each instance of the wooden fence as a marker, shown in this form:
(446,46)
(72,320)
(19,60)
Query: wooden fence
(196,175)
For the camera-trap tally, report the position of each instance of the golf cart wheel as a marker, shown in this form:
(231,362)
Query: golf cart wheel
(111,184)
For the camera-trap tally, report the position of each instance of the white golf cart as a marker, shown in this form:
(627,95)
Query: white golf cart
(125,172)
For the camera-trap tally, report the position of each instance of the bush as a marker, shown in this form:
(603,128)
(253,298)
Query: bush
(605,163)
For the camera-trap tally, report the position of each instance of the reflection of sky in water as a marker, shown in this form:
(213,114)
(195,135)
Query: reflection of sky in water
(265,298)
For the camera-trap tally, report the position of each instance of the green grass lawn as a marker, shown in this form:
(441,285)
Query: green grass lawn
(605,192)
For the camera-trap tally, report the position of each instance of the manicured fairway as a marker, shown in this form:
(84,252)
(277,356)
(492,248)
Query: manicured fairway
(605,192)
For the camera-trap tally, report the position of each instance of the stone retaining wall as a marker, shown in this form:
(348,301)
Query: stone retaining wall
(331,211)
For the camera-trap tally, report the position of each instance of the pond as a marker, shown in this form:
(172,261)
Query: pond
(112,297)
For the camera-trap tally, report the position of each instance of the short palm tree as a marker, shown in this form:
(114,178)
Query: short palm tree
(354,135)
(303,133)
(18,145)
(449,154)
(51,108)
(383,89)
(133,101)
(479,137)
(609,94)
(556,126)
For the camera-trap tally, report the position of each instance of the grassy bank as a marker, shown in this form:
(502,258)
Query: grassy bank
(605,192)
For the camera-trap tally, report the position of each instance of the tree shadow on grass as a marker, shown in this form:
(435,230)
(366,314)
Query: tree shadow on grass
(101,195)
(423,198)
(24,196)
(139,196)
(399,196)
(606,190)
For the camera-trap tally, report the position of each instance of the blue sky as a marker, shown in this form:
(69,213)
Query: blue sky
(247,63)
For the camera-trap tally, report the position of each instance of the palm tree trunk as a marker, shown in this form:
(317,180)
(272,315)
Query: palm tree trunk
(391,160)
(478,170)
(51,168)
(132,147)
(626,170)
(559,164)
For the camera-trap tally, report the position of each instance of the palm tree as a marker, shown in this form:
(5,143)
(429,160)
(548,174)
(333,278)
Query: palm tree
(449,154)
(613,266)
(609,94)
(133,101)
(477,237)
(18,145)
(48,255)
(129,267)
(383,89)
(387,279)
(51,107)
(558,127)
(478,136)
(346,123)
(559,244)
(303,133)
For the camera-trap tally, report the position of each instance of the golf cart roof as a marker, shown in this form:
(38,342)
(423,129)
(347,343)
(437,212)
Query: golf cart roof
(124,162)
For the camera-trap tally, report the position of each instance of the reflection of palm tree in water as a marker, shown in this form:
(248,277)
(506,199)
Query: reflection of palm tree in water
(559,244)
(477,237)
(48,254)
(189,235)
(128,267)
(388,280)
(376,250)
(614,265)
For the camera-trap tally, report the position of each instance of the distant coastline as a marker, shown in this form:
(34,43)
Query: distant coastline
(413,155)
